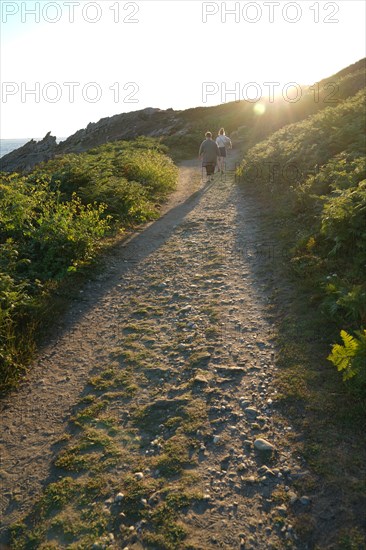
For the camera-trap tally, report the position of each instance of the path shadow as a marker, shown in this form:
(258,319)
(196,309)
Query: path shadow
(122,258)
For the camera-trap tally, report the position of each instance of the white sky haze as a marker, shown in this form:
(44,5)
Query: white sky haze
(120,56)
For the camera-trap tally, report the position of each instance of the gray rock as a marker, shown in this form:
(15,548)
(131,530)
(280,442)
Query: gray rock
(200,379)
(251,411)
(264,470)
(228,370)
(255,426)
(250,479)
(263,445)
(182,346)
(26,157)
(292,496)
(282,510)
(185,309)
(245,402)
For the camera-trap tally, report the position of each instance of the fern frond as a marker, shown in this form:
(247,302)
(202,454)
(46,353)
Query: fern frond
(350,343)
(340,357)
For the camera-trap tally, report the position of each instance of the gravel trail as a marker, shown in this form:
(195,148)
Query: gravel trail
(183,309)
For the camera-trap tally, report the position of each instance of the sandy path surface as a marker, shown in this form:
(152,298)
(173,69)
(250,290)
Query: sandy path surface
(187,287)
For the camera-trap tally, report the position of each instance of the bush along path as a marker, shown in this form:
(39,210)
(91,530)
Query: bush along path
(151,421)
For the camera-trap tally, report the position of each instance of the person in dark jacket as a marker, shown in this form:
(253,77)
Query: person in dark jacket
(209,153)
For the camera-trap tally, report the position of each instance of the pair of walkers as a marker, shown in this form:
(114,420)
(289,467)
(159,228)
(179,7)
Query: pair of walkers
(214,152)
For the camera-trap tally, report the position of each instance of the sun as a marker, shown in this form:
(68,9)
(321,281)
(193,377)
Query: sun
(259,109)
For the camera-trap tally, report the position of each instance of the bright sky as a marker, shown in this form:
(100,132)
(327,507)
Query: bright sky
(65,63)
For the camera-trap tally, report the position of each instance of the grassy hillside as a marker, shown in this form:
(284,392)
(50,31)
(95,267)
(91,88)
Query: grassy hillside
(315,175)
(241,118)
(52,223)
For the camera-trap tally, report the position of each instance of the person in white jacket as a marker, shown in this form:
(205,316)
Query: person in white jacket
(223,143)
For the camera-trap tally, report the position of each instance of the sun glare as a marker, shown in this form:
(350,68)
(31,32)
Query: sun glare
(259,109)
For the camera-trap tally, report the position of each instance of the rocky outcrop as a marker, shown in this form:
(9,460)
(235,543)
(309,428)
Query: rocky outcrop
(26,157)
(147,122)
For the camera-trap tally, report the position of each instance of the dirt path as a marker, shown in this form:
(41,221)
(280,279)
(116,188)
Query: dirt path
(181,310)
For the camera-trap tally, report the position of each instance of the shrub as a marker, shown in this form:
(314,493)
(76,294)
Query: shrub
(130,178)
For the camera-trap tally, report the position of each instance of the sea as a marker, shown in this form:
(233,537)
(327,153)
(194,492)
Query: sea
(8,145)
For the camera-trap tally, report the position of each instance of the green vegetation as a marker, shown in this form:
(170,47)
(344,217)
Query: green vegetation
(351,357)
(52,224)
(129,177)
(314,173)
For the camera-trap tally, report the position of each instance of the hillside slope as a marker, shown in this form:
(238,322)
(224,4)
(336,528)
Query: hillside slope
(183,130)
(315,175)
